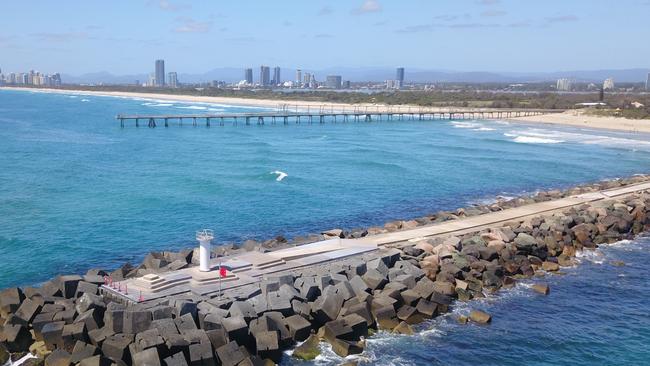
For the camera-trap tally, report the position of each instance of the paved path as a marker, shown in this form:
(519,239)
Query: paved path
(500,217)
(249,268)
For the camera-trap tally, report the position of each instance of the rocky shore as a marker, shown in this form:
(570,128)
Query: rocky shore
(67,321)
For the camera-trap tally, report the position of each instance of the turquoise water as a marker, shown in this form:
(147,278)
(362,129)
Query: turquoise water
(77,191)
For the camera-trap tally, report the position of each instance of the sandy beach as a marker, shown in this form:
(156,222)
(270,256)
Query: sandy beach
(575,118)
(578,118)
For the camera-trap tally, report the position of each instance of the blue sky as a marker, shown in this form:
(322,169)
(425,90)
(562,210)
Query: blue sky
(125,36)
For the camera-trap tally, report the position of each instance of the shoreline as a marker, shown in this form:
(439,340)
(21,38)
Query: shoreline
(400,284)
(570,118)
(577,118)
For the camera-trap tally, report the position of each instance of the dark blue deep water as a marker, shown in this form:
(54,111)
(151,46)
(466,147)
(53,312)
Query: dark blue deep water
(596,314)
(77,191)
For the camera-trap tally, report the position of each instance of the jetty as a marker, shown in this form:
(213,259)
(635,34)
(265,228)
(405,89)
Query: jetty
(308,114)
(248,305)
(250,268)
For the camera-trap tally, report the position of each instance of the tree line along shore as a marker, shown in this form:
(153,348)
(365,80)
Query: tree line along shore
(627,105)
(67,321)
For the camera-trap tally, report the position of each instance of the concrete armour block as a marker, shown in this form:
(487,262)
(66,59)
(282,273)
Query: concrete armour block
(58,357)
(427,308)
(28,311)
(327,307)
(299,327)
(97,360)
(52,335)
(116,347)
(16,337)
(185,322)
(177,359)
(85,287)
(213,321)
(243,309)
(136,321)
(90,319)
(374,279)
(72,333)
(230,354)
(68,285)
(114,317)
(82,351)
(236,329)
(10,300)
(148,357)
(267,345)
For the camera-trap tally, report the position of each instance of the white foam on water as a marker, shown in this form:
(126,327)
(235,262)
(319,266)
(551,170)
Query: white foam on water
(21,360)
(85,100)
(593,256)
(535,140)
(281,175)
(612,139)
(158,104)
(196,107)
(468,125)
(216,109)
(483,129)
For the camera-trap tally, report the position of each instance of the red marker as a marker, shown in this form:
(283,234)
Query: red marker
(222,271)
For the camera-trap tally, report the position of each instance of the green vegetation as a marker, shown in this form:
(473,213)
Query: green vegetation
(620,104)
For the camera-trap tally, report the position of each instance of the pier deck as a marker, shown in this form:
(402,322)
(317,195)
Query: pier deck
(322,116)
(250,268)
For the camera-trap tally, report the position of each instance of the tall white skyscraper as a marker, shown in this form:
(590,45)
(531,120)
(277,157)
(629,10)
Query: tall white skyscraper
(647,83)
(172,80)
(608,84)
(564,84)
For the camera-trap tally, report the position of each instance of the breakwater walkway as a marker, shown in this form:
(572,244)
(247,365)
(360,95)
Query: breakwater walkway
(306,115)
(250,268)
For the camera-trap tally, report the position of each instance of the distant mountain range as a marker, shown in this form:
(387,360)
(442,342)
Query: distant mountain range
(376,74)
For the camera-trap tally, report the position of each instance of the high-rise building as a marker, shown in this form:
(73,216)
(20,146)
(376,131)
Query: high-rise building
(172,80)
(312,81)
(248,76)
(564,84)
(298,77)
(647,83)
(160,73)
(400,77)
(276,76)
(608,84)
(306,79)
(265,75)
(333,81)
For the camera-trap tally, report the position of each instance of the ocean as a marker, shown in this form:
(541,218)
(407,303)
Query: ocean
(77,191)
(596,314)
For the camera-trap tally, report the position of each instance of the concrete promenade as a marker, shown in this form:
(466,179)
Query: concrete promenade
(246,271)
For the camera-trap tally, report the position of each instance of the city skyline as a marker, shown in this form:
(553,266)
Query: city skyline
(360,29)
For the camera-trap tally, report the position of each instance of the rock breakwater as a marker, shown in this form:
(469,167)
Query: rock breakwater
(66,320)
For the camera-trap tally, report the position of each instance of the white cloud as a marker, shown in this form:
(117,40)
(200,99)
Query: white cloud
(368,6)
(169,6)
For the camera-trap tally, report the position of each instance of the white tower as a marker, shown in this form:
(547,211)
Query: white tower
(204,237)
